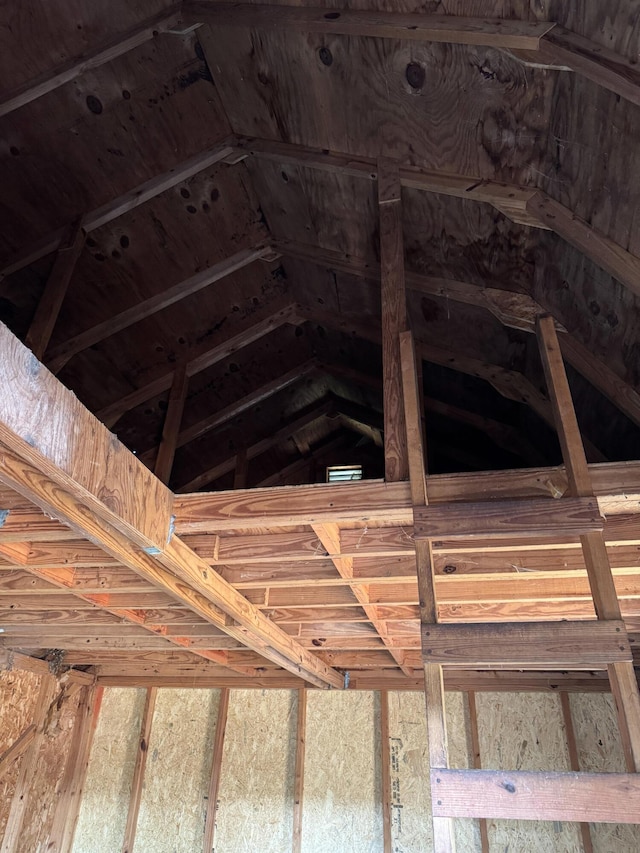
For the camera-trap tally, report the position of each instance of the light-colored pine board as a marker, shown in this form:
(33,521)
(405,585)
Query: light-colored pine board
(216,772)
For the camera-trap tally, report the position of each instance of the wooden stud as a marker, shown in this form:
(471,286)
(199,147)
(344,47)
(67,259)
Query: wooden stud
(241,469)
(70,793)
(574,762)
(216,770)
(172,421)
(137,782)
(394,318)
(624,685)
(298,784)
(386,772)
(13,752)
(50,303)
(477,763)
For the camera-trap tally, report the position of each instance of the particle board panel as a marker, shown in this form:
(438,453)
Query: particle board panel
(108,782)
(600,751)
(525,732)
(255,806)
(173,805)
(342,779)
(18,696)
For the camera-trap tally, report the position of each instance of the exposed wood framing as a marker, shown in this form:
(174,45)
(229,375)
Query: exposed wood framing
(61,354)
(50,303)
(298,778)
(477,762)
(135,797)
(13,752)
(385,772)
(574,762)
(172,421)
(623,682)
(216,771)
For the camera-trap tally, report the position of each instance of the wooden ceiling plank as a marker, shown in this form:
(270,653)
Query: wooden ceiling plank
(118,45)
(244,333)
(122,204)
(53,474)
(62,353)
(496,32)
(44,320)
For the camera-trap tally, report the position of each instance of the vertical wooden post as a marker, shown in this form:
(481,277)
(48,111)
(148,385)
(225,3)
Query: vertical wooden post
(394,318)
(241,471)
(443,837)
(21,796)
(572,746)
(70,793)
(44,320)
(477,762)
(139,771)
(298,792)
(216,768)
(624,686)
(386,772)
(171,428)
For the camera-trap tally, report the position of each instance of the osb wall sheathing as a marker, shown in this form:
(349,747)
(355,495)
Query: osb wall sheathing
(525,731)
(600,751)
(174,797)
(18,694)
(409,769)
(342,789)
(108,784)
(256,790)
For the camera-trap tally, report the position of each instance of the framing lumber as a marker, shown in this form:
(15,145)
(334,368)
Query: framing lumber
(122,204)
(477,762)
(260,324)
(135,796)
(298,777)
(13,752)
(61,354)
(385,772)
(574,762)
(496,32)
(171,428)
(522,795)
(592,644)
(216,771)
(621,675)
(55,289)
(116,46)
(53,475)
(394,318)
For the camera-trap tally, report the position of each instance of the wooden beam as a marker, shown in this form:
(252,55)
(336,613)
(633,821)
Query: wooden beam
(497,32)
(574,762)
(621,675)
(172,421)
(137,782)
(55,289)
(298,778)
(241,469)
(521,795)
(265,320)
(61,354)
(122,204)
(69,793)
(116,46)
(13,752)
(394,318)
(60,478)
(540,645)
(528,519)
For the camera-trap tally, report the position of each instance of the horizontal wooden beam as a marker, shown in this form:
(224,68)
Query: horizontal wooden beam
(118,45)
(522,795)
(122,204)
(60,354)
(541,645)
(527,519)
(496,32)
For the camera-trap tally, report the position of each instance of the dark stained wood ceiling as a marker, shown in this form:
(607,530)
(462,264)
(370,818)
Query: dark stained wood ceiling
(459,109)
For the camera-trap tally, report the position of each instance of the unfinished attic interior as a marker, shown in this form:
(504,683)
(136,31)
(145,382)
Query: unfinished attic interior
(320,427)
